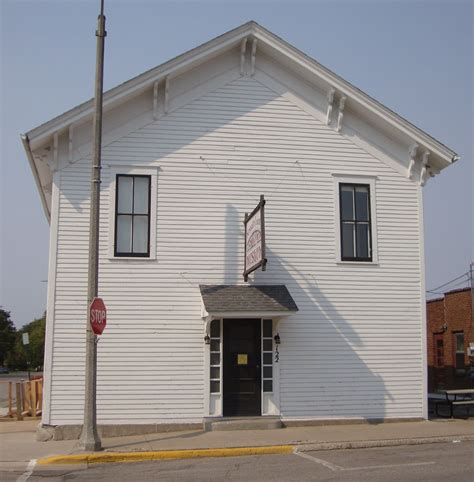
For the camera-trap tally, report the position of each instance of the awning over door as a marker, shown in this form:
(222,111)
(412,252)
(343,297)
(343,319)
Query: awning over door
(239,301)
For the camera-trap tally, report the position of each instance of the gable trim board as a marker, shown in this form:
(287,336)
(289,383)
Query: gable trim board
(324,80)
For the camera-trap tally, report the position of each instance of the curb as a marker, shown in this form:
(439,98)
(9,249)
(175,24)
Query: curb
(366,444)
(104,457)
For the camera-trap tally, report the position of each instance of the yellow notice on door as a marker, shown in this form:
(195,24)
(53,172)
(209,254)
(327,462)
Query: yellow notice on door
(242,359)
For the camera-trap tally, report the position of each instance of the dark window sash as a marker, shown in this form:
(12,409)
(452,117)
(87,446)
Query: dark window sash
(355,222)
(131,253)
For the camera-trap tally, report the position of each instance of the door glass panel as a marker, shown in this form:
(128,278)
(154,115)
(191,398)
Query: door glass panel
(215,372)
(215,345)
(125,189)
(267,345)
(215,358)
(267,372)
(268,385)
(267,358)
(124,234)
(215,329)
(267,328)
(215,386)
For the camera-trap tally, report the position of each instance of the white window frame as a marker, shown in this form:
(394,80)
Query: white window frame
(140,171)
(342,178)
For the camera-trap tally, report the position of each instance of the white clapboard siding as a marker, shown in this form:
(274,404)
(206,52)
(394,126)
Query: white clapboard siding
(353,349)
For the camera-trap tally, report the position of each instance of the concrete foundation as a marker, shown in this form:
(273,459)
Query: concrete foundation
(45,433)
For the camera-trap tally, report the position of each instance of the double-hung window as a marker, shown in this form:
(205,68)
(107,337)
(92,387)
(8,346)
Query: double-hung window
(132,215)
(355,222)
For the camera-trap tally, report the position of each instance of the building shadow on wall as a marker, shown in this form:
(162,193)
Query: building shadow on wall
(322,372)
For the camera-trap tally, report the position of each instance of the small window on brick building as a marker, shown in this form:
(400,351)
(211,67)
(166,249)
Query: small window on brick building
(458,339)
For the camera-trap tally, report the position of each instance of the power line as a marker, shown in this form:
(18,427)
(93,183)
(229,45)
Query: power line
(434,290)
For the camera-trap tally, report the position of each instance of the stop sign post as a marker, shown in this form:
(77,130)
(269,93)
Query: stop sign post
(98,315)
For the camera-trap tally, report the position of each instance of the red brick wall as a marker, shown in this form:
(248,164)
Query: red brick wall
(448,315)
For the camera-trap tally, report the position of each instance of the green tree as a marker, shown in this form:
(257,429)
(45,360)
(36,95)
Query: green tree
(20,355)
(7,335)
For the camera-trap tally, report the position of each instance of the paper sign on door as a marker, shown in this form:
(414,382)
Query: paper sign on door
(242,359)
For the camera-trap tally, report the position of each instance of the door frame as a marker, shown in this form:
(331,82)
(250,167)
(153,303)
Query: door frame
(270,401)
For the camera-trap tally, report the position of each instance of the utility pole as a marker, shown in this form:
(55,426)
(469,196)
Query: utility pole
(90,440)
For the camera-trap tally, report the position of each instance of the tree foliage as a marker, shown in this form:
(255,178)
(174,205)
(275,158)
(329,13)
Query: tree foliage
(18,355)
(7,335)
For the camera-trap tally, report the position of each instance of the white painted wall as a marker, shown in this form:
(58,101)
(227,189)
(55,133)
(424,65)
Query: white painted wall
(353,349)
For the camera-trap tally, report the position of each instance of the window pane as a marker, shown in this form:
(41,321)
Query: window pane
(459,343)
(459,360)
(362,203)
(215,344)
(348,240)
(140,193)
(347,203)
(267,345)
(267,385)
(140,234)
(267,358)
(363,241)
(215,329)
(267,328)
(215,358)
(267,372)
(124,193)
(124,234)
(215,372)
(215,386)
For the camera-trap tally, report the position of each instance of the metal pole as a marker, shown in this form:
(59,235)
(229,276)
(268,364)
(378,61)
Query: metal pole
(90,440)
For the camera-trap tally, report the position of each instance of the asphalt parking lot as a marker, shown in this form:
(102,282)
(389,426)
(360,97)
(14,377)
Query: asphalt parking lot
(437,461)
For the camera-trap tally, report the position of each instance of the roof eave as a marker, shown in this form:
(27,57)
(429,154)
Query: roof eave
(26,144)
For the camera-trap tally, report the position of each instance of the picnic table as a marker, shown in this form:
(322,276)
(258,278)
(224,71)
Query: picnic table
(454,398)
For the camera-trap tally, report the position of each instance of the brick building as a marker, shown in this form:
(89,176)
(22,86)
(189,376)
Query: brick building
(450,334)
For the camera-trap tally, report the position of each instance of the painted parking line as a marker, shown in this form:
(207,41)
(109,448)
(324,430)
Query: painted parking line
(29,470)
(325,463)
(335,468)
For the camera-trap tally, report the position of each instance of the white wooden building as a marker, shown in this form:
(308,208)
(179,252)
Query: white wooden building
(188,149)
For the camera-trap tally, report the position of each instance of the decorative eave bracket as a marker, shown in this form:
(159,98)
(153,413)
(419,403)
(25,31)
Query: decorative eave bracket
(243,47)
(342,103)
(425,168)
(412,153)
(253,57)
(330,97)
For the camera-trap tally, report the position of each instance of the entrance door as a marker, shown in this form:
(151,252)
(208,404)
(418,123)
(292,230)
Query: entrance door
(242,373)
(439,369)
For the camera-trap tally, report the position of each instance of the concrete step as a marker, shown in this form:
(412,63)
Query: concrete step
(242,423)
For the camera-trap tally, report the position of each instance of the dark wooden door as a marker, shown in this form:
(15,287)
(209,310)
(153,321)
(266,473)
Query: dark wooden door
(439,368)
(242,373)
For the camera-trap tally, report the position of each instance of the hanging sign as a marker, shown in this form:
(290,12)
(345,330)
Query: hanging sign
(254,253)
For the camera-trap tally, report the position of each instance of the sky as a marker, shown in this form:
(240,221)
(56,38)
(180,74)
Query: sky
(414,57)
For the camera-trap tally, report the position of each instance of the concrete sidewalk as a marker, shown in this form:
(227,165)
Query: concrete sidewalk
(18,445)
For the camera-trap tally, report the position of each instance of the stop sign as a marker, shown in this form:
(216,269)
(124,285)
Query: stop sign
(98,315)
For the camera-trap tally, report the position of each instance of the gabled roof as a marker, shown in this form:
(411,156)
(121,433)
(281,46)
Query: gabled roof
(35,138)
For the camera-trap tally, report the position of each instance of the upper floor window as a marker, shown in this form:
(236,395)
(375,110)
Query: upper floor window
(355,222)
(132,215)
